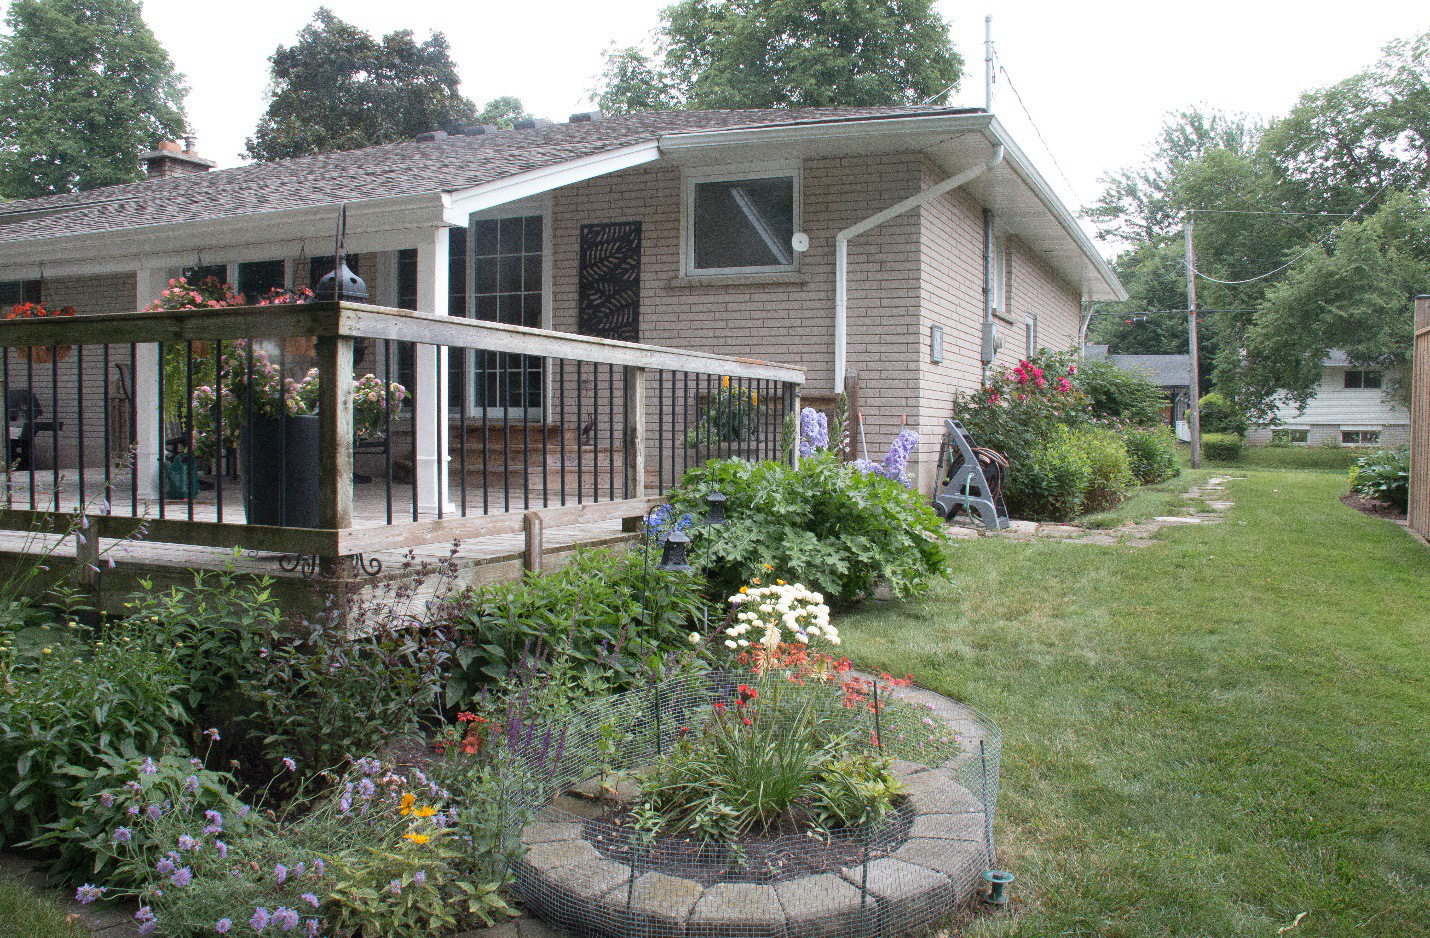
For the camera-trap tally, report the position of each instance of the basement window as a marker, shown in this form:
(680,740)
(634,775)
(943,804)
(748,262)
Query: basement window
(739,224)
(1291,435)
(1360,437)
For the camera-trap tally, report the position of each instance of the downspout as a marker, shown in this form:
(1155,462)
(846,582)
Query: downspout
(841,252)
(987,346)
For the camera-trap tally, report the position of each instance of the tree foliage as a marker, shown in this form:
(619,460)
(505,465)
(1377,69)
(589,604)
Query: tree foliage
(84,88)
(1273,197)
(340,88)
(785,53)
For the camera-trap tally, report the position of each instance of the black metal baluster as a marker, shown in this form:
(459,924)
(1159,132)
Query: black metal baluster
(545,433)
(387,376)
(133,429)
(611,430)
(580,428)
(561,425)
(79,418)
(463,397)
(104,390)
(684,422)
(486,431)
(412,425)
(55,416)
(283,433)
(504,378)
(218,429)
(159,469)
(9,450)
(250,486)
(525,438)
(660,432)
(191,466)
(439,462)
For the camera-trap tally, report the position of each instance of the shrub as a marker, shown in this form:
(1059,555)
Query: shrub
(603,616)
(1110,474)
(824,524)
(1219,415)
(1383,476)
(66,705)
(1120,396)
(1151,453)
(1051,481)
(1222,447)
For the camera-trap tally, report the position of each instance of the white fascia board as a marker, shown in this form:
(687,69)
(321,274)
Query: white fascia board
(867,127)
(1018,161)
(459,204)
(373,225)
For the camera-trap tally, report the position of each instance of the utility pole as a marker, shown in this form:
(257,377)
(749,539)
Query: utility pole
(1194,417)
(988,63)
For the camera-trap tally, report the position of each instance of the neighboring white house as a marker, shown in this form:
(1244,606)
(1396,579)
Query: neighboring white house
(1350,408)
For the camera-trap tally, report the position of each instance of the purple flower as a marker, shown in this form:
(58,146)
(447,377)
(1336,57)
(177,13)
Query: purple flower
(122,835)
(318,867)
(813,431)
(310,898)
(300,868)
(147,927)
(106,799)
(212,733)
(345,804)
(215,822)
(260,918)
(153,812)
(897,461)
(395,887)
(181,877)
(419,877)
(165,866)
(289,764)
(145,914)
(368,765)
(222,849)
(243,810)
(311,927)
(147,767)
(132,810)
(188,843)
(280,873)
(134,786)
(366,788)
(86,894)
(191,784)
(223,925)
(286,919)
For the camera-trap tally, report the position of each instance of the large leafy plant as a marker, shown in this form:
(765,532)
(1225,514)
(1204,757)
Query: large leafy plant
(1383,476)
(824,524)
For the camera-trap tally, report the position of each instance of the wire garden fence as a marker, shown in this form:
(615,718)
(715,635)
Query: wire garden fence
(630,834)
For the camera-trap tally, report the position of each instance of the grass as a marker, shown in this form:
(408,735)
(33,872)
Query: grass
(1327,458)
(1151,501)
(1207,737)
(23,911)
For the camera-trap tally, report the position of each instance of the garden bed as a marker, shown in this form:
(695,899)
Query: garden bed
(586,868)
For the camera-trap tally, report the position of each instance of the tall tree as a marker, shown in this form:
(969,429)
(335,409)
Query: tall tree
(785,53)
(84,87)
(339,88)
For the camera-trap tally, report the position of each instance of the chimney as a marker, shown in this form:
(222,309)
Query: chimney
(169,159)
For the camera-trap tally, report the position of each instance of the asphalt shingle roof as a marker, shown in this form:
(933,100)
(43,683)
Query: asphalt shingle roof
(397,169)
(1168,371)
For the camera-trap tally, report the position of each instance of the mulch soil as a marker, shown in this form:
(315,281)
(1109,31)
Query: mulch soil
(1375,509)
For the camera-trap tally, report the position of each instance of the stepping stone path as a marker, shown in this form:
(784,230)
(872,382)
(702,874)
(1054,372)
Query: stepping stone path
(1210,495)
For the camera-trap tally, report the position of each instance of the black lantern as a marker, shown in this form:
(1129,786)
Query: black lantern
(672,555)
(715,509)
(342,284)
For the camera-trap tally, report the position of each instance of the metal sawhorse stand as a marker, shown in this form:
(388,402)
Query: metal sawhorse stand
(964,485)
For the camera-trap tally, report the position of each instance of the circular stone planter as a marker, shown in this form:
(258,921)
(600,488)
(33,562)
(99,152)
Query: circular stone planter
(913,879)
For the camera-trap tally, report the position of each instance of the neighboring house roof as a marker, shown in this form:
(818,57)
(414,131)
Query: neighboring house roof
(447,164)
(1168,371)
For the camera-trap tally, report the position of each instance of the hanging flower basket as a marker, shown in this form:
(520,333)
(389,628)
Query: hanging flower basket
(40,354)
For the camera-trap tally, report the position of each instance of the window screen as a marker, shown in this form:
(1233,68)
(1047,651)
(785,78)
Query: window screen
(743,224)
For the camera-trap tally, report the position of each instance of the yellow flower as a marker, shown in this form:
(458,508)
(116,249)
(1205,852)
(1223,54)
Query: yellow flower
(744,589)
(724,382)
(426,811)
(418,839)
(754,398)
(780,582)
(405,806)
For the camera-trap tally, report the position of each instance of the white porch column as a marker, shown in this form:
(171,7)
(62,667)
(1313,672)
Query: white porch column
(432,430)
(149,283)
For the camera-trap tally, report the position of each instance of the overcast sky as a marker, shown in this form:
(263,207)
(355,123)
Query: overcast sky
(1097,77)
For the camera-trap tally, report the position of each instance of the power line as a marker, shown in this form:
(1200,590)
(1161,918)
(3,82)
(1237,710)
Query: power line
(1041,139)
(1242,211)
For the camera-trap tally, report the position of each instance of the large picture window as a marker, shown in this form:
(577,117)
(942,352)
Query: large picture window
(1362,380)
(742,224)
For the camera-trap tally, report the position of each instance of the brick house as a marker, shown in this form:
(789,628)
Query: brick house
(914,247)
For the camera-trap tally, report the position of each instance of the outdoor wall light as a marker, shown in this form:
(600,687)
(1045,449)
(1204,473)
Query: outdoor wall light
(999,879)
(715,509)
(672,555)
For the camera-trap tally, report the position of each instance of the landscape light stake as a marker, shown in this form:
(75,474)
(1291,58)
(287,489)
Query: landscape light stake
(878,734)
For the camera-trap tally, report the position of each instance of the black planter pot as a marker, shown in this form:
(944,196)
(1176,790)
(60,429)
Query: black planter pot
(279,463)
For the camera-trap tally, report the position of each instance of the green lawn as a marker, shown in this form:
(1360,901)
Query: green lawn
(1207,737)
(24,912)
(1330,458)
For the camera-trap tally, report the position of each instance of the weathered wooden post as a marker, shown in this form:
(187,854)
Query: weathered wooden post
(634,439)
(335,442)
(1419,513)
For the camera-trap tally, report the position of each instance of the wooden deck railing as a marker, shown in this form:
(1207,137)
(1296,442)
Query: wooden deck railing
(543,428)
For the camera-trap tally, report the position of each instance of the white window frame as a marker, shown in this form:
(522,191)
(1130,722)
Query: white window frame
(1358,431)
(1030,333)
(734,173)
(1290,430)
(999,284)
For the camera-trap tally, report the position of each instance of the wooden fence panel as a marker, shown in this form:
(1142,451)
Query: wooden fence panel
(1420,422)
